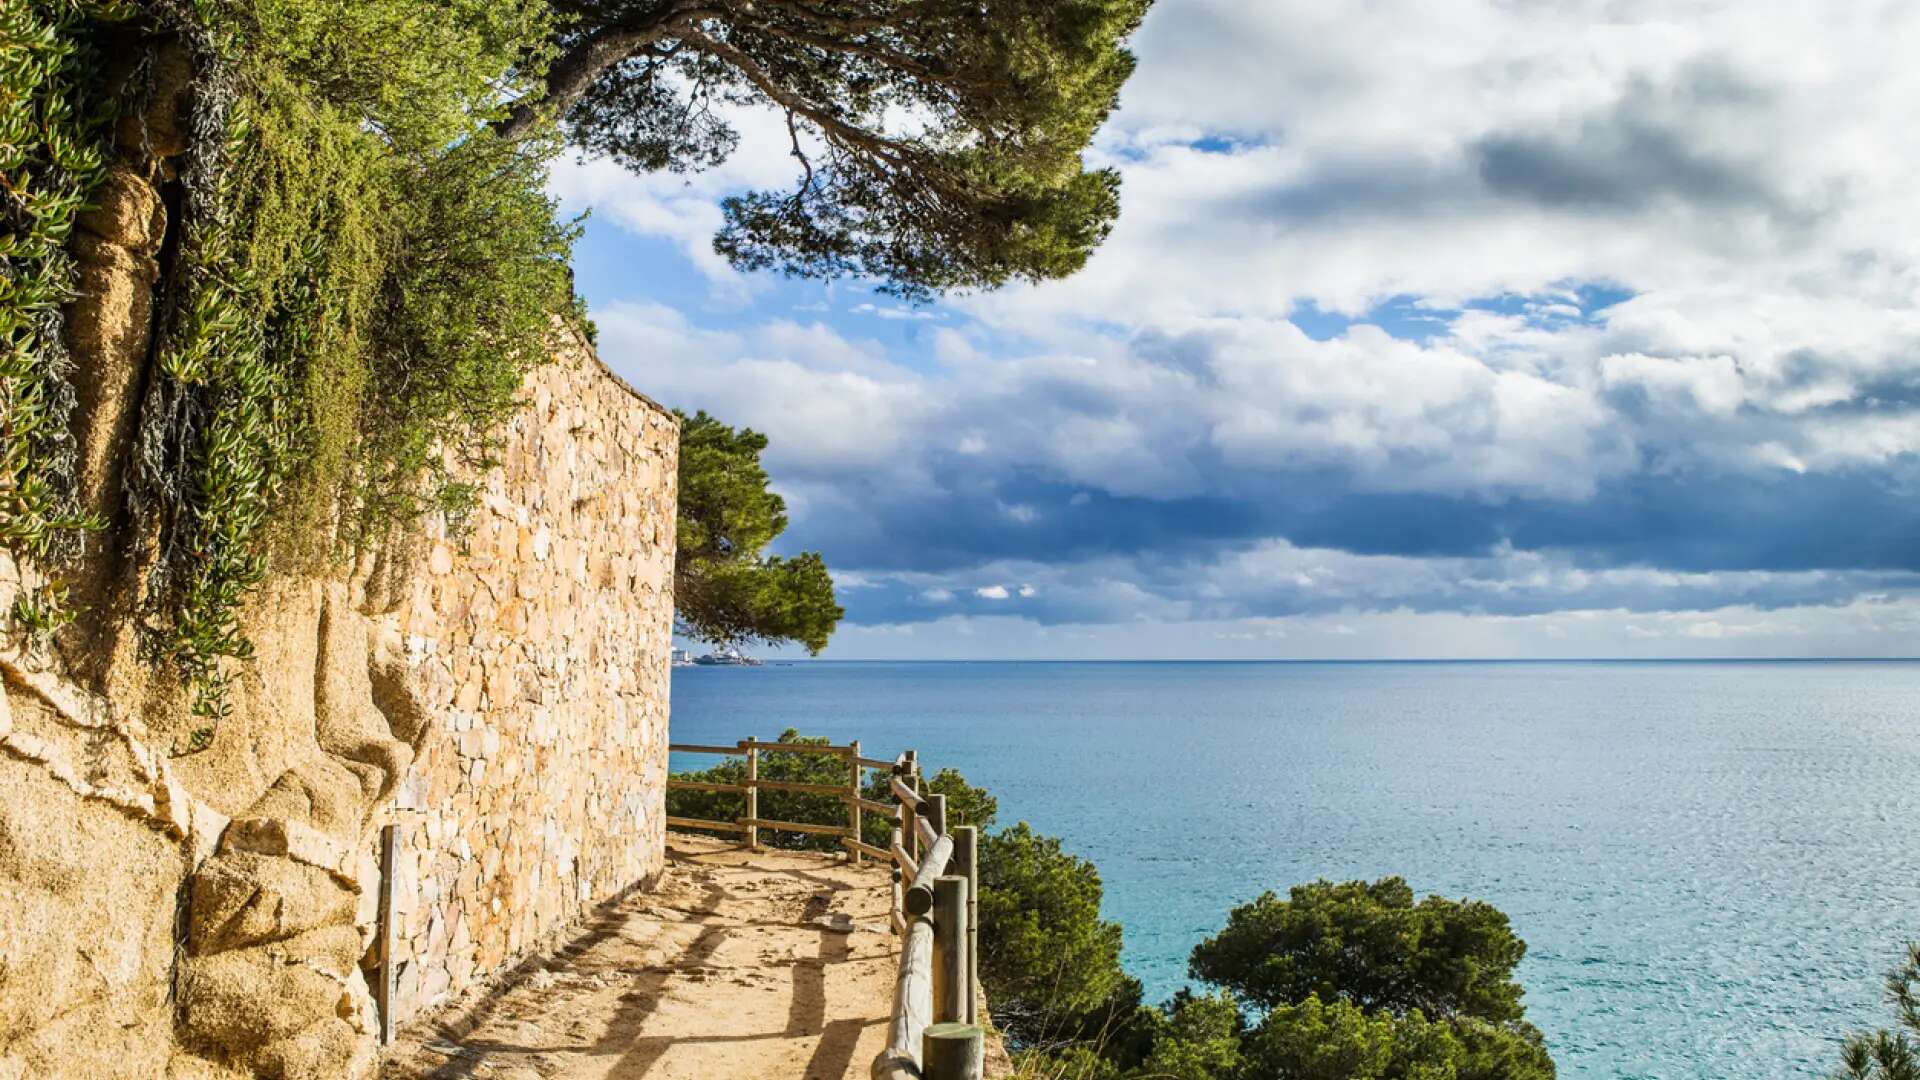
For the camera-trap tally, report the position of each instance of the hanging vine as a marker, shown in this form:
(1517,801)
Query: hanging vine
(349,221)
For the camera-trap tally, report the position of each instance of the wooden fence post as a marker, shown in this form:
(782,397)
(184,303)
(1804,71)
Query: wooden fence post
(383,993)
(853,803)
(966,864)
(913,781)
(753,793)
(953,1052)
(949,949)
(937,814)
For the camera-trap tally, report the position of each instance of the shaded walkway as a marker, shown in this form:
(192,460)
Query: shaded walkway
(776,966)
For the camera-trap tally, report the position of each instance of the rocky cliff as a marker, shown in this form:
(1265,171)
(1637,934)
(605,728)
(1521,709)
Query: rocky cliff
(495,688)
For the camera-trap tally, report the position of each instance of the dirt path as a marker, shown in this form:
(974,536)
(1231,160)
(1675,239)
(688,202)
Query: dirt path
(775,966)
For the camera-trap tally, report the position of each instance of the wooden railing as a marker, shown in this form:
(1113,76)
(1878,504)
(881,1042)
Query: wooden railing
(934,1032)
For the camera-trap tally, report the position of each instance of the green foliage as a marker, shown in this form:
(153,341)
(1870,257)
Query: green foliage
(1049,957)
(466,309)
(1889,1054)
(1369,944)
(1350,981)
(940,139)
(425,75)
(1197,1038)
(1313,1040)
(724,589)
(50,163)
(351,223)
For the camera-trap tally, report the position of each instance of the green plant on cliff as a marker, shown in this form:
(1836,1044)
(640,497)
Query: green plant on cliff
(51,119)
(724,589)
(366,273)
(940,141)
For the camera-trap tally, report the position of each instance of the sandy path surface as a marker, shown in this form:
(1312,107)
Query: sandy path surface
(775,966)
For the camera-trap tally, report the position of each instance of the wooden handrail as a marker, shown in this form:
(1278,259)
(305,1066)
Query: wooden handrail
(690,748)
(912,1007)
(702,823)
(701,785)
(795,748)
(795,785)
(794,826)
(933,867)
(904,794)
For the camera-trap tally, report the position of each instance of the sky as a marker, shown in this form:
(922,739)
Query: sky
(1492,328)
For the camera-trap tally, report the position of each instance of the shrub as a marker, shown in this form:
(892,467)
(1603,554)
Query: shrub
(1047,958)
(1368,943)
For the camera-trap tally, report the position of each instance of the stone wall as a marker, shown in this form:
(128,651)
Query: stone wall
(546,629)
(498,693)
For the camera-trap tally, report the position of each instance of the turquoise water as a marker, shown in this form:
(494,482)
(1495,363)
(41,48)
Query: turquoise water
(1712,863)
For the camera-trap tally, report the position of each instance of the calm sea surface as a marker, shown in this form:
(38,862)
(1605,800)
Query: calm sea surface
(1712,863)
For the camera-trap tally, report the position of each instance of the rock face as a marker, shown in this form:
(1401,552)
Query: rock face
(496,693)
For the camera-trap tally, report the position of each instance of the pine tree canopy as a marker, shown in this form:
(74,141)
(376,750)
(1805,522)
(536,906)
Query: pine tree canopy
(938,142)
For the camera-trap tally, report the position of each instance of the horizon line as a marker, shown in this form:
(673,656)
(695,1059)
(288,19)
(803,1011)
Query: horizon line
(1344,660)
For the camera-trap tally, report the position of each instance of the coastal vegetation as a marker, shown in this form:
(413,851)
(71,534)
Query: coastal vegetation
(1336,981)
(340,217)
(725,590)
(1889,1054)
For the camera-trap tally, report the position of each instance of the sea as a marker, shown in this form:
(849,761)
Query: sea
(1713,864)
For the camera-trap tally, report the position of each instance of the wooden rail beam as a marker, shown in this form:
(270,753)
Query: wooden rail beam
(903,861)
(794,826)
(702,823)
(912,1007)
(905,794)
(690,748)
(795,785)
(868,849)
(798,748)
(701,785)
(933,867)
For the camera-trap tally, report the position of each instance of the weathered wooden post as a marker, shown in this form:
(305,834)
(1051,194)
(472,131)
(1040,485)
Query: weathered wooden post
(383,992)
(913,781)
(853,798)
(753,793)
(949,949)
(898,919)
(953,1052)
(937,814)
(966,864)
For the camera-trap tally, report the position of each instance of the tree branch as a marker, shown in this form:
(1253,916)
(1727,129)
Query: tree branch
(832,126)
(573,74)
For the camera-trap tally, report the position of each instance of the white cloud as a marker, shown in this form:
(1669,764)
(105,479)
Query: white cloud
(1736,171)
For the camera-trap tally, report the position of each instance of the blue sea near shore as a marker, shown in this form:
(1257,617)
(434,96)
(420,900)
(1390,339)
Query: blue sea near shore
(1713,863)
